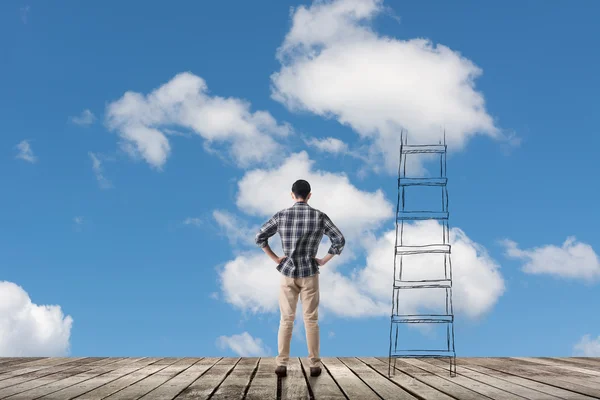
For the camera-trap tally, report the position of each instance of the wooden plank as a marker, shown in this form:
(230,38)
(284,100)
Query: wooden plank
(207,384)
(264,384)
(383,386)
(176,385)
(32,366)
(294,385)
(564,361)
(151,382)
(589,362)
(496,382)
(234,386)
(32,373)
(121,383)
(121,368)
(423,383)
(515,368)
(541,387)
(6,361)
(593,374)
(36,379)
(464,381)
(60,380)
(323,386)
(350,384)
(570,374)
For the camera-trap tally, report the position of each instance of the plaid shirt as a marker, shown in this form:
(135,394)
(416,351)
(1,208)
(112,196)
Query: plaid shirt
(301,229)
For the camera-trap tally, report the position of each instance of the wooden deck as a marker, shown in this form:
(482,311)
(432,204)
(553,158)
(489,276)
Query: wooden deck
(361,378)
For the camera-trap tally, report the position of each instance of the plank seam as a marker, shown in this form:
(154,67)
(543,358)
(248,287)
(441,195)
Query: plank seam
(574,362)
(311,395)
(173,377)
(494,385)
(133,383)
(225,377)
(426,360)
(247,388)
(444,378)
(91,368)
(198,377)
(545,383)
(514,383)
(37,377)
(399,385)
(119,377)
(43,367)
(593,373)
(336,382)
(358,376)
(279,387)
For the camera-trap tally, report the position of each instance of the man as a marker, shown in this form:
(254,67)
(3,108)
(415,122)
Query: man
(301,229)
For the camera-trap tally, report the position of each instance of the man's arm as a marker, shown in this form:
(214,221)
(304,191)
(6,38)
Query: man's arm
(337,240)
(262,238)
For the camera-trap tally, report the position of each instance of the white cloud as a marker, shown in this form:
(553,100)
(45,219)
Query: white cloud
(573,260)
(243,345)
(587,347)
(28,329)
(476,278)
(263,192)
(328,145)
(192,221)
(143,122)
(25,152)
(250,281)
(85,118)
(334,64)
(235,228)
(98,171)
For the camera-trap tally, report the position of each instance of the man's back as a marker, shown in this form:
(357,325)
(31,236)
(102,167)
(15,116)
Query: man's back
(301,228)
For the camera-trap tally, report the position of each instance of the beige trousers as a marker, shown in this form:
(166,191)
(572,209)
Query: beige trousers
(308,289)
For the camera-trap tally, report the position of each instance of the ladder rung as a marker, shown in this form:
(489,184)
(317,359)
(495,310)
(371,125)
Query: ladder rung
(424,249)
(423,318)
(422,353)
(422,181)
(425,284)
(421,215)
(423,148)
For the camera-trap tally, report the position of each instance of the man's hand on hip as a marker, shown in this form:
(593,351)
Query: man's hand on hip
(273,256)
(324,260)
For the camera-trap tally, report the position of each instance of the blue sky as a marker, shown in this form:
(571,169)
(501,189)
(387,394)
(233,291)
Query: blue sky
(136,218)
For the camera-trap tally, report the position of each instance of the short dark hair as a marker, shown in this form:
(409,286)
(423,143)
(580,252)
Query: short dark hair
(301,189)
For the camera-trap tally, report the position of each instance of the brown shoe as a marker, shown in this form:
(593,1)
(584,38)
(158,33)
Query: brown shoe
(281,371)
(315,371)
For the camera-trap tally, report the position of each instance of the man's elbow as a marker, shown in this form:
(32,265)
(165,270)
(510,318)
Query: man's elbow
(341,243)
(338,247)
(260,240)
